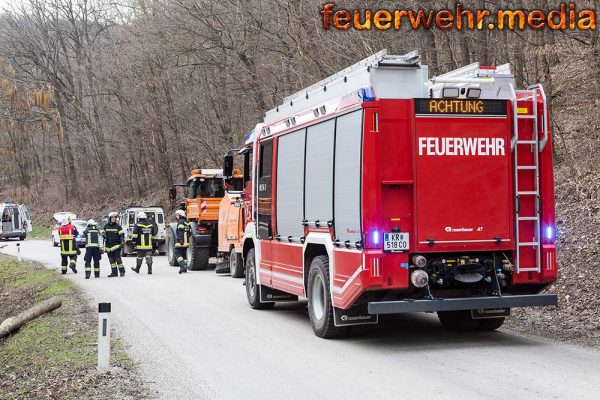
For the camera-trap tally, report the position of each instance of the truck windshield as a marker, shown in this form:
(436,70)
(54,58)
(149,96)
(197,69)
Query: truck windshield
(206,188)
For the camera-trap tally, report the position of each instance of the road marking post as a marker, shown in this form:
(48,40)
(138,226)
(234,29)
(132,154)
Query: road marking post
(19,257)
(103,336)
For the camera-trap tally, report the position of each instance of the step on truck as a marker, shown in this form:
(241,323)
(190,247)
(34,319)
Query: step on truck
(204,190)
(380,190)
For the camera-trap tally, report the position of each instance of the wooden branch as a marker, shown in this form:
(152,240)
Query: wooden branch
(11,324)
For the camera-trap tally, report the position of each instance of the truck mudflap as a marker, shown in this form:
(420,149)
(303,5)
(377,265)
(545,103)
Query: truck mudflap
(462,303)
(202,240)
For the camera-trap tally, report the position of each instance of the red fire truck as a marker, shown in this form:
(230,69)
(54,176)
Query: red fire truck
(380,190)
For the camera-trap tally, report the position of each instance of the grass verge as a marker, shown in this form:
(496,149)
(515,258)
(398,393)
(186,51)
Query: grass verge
(40,232)
(54,356)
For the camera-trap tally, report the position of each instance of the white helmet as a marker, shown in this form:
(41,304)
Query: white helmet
(91,222)
(112,214)
(141,215)
(180,213)
(66,221)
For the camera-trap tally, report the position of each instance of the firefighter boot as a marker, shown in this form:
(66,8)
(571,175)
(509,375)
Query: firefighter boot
(138,265)
(72,266)
(149,262)
(182,267)
(96,274)
(88,270)
(122,270)
(113,271)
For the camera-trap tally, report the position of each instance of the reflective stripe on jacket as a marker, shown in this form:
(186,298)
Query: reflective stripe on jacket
(67,234)
(92,235)
(183,233)
(113,236)
(143,233)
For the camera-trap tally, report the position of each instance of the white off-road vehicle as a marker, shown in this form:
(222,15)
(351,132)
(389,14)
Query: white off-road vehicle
(127,218)
(16,221)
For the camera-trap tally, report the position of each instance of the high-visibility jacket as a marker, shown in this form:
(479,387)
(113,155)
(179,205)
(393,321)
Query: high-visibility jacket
(183,233)
(143,232)
(92,235)
(114,236)
(67,234)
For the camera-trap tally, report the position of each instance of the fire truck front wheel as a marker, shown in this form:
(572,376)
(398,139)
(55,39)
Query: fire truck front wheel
(253,288)
(320,309)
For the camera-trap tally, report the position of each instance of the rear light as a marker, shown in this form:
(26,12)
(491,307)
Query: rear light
(201,229)
(549,234)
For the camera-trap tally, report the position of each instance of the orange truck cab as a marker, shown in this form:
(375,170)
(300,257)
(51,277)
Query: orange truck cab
(204,191)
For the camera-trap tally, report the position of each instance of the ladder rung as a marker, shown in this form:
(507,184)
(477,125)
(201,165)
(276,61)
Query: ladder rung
(526,116)
(527,167)
(527,193)
(529,244)
(528,218)
(529,269)
(526,142)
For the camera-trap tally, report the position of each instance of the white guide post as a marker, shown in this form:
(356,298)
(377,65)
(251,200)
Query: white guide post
(103,336)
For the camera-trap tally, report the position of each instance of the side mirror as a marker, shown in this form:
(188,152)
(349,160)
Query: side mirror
(228,165)
(172,193)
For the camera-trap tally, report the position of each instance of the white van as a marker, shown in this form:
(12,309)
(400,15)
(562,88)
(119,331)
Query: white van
(16,221)
(127,218)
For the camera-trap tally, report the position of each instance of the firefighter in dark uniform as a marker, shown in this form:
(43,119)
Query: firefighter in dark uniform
(92,249)
(68,247)
(183,240)
(114,237)
(143,232)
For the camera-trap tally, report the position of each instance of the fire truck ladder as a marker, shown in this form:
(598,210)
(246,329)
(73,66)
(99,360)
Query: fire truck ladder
(531,96)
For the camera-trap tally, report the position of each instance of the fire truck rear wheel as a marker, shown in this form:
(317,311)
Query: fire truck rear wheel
(458,321)
(252,288)
(320,309)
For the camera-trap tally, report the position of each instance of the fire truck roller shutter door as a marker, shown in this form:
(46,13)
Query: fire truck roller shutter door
(319,172)
(348,144)
(290,184)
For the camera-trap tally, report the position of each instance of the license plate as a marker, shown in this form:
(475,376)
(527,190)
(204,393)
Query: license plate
(490,313)
(395,241)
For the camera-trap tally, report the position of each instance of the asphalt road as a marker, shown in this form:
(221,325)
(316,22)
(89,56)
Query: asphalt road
(195,336)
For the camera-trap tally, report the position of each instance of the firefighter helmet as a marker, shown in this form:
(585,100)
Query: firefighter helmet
(141,215)
(112,214)
(91,222)
(66,221)
(180,213)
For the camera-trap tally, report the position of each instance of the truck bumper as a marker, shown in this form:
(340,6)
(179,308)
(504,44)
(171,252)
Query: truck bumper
(462,303)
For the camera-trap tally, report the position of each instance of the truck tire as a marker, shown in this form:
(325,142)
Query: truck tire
(199,256)
(458,321)
(171,248)
(23,236)
(252,287)
(236,267)
(320,309)
(490,324)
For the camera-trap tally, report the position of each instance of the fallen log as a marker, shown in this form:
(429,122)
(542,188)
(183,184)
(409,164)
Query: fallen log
(11,324)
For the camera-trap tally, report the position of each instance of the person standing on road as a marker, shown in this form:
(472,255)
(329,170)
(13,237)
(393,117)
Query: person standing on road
(183,240)
(114,237)
(92,249)
(68,247)
(143,233)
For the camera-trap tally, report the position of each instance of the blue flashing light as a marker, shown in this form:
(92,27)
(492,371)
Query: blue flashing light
(375,237)
(549,233)
(366,94)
